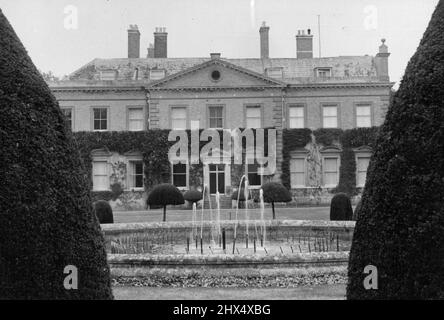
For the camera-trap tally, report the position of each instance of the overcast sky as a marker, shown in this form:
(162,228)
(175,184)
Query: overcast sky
(197,27)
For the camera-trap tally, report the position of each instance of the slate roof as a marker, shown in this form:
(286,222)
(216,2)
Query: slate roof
(344,68)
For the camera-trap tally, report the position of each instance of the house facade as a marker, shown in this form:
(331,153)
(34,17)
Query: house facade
(287,94)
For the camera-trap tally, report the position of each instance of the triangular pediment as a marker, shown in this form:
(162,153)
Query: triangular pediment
(215,74)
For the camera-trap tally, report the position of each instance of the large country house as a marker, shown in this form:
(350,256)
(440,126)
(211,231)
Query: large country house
(324,110)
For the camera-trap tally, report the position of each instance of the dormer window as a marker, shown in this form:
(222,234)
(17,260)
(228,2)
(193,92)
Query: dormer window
(157,74)
(323,72)
(276,72)
(108,75)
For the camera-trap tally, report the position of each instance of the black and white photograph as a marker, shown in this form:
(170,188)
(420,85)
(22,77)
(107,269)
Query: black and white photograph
(221,155)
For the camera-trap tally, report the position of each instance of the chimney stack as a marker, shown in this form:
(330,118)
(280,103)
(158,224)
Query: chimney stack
(150,51)
(160,43)
(304,45)
(263,31)
(133,42)
(381,62)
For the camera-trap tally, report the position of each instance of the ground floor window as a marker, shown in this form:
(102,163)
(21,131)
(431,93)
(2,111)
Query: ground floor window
(361,168)
(297,172)
(135,180)
(100,176)
(179,175)
(330,171)
(254,174)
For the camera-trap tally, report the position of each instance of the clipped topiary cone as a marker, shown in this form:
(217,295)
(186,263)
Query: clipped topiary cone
(400,227)
(46,218)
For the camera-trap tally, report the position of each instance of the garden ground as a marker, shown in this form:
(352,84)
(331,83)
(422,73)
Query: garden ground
(305,213)
(319,292)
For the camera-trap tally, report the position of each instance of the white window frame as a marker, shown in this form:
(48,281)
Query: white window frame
(362,152)
(93,118)
(323,72)
(260,170)
(304,159)
(296,106)
(330,105)
(172,117)
(129,120)
(72,115)
(338,165)
(260,118)
(369,116)
(108,75)
(209,107)
(131,175)
(94,162)
(160,74)
(187,176)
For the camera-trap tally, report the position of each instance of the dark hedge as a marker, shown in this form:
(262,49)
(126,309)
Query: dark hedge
(341,208)
(164,194)
(46,216)
(103,211)
(275,192)
(400,228)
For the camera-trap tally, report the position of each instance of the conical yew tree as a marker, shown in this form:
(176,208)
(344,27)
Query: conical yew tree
(46,217)
(400,228)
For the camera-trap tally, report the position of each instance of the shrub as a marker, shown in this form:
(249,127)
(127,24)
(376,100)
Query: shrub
(103,211)
(357,209)
(400,227)
(163,195)
(275,192)
(241,195)
(116,191)
(193,196)
(46,219)
(341,208)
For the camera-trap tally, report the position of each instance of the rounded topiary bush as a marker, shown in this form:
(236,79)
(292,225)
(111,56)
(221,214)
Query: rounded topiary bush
(239,195)
(163,195)
(46,217)
(275,192)
(357,209)
(400,227)
(103,211)
(192,196)
(341,208)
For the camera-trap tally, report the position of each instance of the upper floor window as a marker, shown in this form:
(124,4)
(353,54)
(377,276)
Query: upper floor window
(363,115)
(108,75)
(135,119)
(135,180)
(100,120)
(179,118)
(253,117)
(323,72)
(297,172)
(100,175)
(180,175)
(329,116)
(296,116)
(68,113)
(157,74)
(216,117)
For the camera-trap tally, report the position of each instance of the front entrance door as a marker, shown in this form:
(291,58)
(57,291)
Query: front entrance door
(217,178)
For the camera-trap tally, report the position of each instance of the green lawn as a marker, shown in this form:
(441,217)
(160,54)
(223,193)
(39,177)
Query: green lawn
(320,292)
(310,213)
